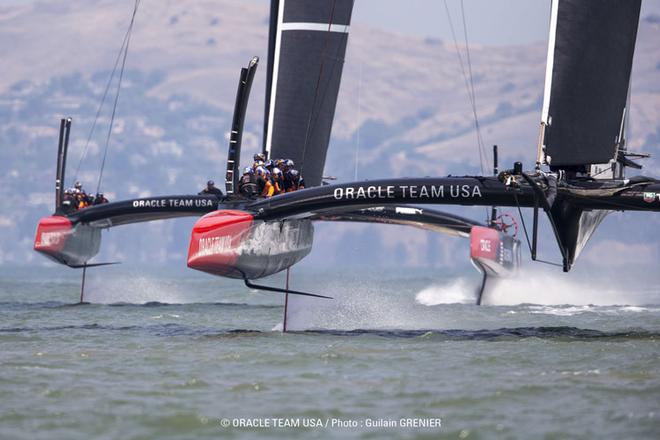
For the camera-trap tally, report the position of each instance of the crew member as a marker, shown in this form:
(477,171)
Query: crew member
(247,184)
(277,179)
(264,185)
(99,199)
(82,200)
(69,203)
(259,160)
(210,190)
(287,165)
(77,188)
(293,181)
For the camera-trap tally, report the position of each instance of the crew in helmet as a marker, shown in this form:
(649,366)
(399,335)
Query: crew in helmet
(293,181)
(277,179)
(211,190)
(69,203)
(264,185)
(82,200)
(247,184)
(288,165)
(259,160)
(76,188)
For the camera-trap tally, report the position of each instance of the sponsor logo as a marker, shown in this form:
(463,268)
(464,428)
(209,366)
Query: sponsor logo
(173,203)
(484,245)
(407,211)
(649,197)
(408,192)
(51,238)
(214,245)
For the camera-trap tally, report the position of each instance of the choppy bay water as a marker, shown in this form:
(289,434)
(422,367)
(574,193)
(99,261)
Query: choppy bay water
(169,354)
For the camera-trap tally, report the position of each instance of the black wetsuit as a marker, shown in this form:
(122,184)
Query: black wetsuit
(278,184)
(99,200)
(247,185)
(292,183)
(213,191)
(287,183)
(69,204)
(261,185)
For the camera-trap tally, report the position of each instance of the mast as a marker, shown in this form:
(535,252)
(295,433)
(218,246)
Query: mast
(273,33)
(62,148)
(540,156)
(493,210)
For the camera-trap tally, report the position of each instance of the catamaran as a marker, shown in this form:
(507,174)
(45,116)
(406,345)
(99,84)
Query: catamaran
(578,177)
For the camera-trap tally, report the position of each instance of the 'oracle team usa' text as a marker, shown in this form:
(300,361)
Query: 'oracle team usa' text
(173,203)
(408,192)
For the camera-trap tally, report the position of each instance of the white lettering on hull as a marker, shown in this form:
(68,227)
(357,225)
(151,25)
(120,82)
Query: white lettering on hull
(52,238)
(214,245)
(173,203)
(263,239)
(408,192)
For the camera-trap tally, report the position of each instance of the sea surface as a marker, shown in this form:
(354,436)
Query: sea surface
(168,353)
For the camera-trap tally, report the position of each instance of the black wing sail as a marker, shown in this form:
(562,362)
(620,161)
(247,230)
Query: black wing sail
(590,55)
(306,56)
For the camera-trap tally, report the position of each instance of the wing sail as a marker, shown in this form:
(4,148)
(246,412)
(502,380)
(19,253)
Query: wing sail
(590,55)
(306,55)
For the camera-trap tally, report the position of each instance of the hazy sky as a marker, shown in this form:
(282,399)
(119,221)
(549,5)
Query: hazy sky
(488,21)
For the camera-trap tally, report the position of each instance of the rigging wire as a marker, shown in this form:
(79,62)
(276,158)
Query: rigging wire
(359,111)
(114,106)
(317,87)
(480,140)
(336,60)
(522,220)
(469,84)
(604,170)
(467,81)
(98,111)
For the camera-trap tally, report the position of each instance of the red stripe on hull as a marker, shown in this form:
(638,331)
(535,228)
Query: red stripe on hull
(495,252)
(58,239)
(52,234)
(484,243)
(215,240)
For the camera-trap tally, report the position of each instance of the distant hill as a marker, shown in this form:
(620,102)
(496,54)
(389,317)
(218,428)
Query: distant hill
(403,110)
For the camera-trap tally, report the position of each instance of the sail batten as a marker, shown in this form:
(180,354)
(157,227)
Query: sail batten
(590,52)
(309,26)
